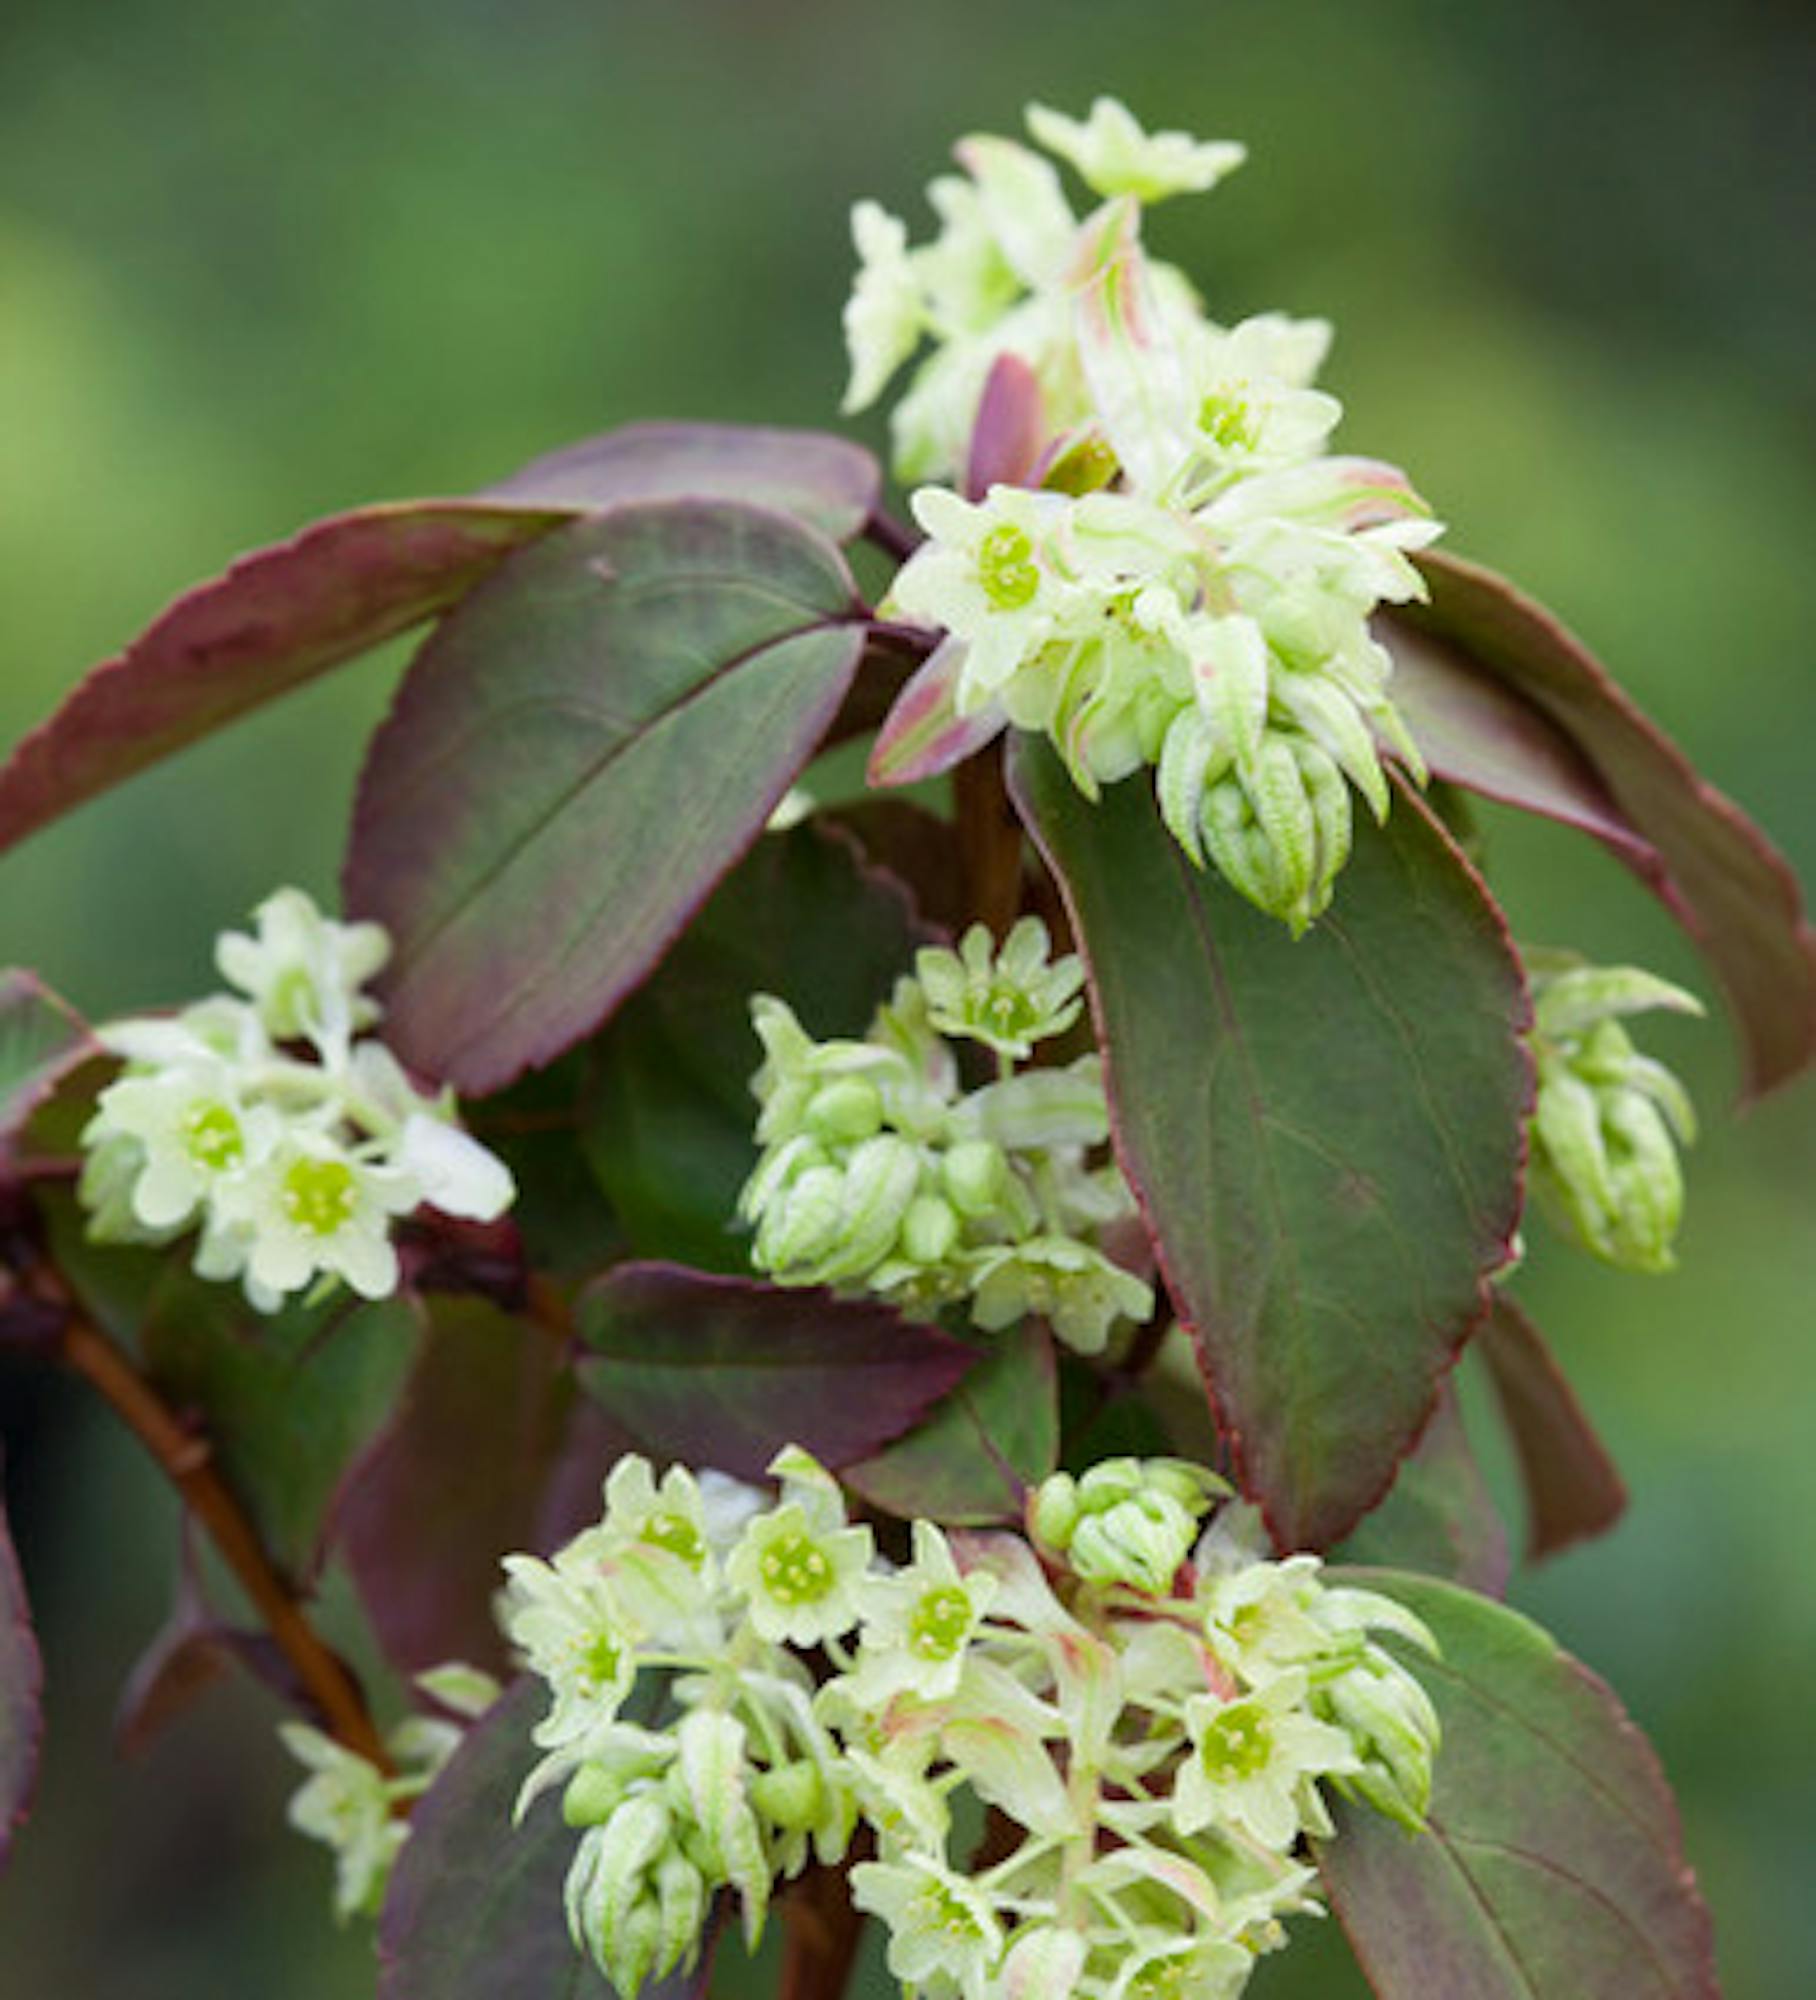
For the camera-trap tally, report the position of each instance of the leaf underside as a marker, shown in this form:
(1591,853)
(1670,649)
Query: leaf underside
(41,1041)
(1325,1134)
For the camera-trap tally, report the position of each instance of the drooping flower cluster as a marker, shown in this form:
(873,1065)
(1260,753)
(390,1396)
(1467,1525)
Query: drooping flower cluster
(1151,1713)
(352,1807)
(1609,1120)
(880,1173)
(1181,576)
(293,1141)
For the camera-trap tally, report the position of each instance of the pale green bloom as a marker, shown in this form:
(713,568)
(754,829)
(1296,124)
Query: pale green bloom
(191,1128)
(886,315)
(562,1618)
(801,1580)
(350,1805)
(1113,155)
(1069,1283)
(303,971)
(1006,997)
(309,1207)
(940,1926)
(917,1624)
(1609,1120)
(1252,1759)
(1125,1521)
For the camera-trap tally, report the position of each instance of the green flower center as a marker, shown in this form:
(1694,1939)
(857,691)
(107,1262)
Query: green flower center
(1005,1007)
(677,1534)
(1006,568)
(319,1195)
(596,1664)
(940,1910)
(941,1623)
(211,1136)
(795,1570)
(1237,1744)
(1228,422)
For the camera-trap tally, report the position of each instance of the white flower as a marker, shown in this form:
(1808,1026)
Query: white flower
(885,315)
(303,971)
(940,1925)
(193,1128)
(1251,1761)
(563,1620)
(985,575)
(310,1207)
(1113,155)
(1266,1616)
(348,1803)
(918,1624)
(800,1579)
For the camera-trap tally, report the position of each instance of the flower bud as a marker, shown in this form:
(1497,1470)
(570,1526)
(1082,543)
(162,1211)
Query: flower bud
(845,1111)
(1053,1511)
(592,1796)
(975,1173)
(791,1796)
(930,1230)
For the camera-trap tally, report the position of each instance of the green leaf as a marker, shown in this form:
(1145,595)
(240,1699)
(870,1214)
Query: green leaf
(973,1459)
(574,759)
(1438,1516)
(1573,1489)
(287,1403)
(1506,701)
(41,1041)
(1552,1864)
(493,1450)
(667,1120)
(21,1691)
(725,1372)
(1325,1134)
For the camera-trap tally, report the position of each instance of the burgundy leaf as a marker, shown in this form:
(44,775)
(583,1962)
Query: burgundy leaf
(1727,885)
(1573,1489)
(574,759)
(21,1692)
(1551,1866)
(275,620)
(1010,431)
(475,1466)
(822,480)
(726,1371)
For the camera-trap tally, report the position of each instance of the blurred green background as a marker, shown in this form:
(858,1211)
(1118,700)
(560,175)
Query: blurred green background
(259,263)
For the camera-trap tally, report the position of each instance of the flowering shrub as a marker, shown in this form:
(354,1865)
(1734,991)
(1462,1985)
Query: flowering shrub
(1032,1220)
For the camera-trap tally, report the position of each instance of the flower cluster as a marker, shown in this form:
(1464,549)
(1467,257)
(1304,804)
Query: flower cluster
(1185,578)
(1152,1723)
(352,1807)
(880,1173)
(270,1121)
(1609,1120)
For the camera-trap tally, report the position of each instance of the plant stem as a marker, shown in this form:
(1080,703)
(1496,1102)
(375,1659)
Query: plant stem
(823,1928)
(990,840)
(186,1460)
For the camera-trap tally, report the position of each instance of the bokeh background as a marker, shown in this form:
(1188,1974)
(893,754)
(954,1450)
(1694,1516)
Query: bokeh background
(258,263)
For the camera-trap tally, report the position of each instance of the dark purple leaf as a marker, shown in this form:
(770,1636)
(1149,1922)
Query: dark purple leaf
(1552,1866)
(974,1458)
(478,1463)
(21,1691)
(287,1403)
(1573,1489)
(725,1371)
(276,619)
(41,1041)
(1325,1134)
(918,848)
(575,757)
(828,483)
(1498,656)
(1010,431)
(1439,1516)
(474,1910)
(667,1120)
